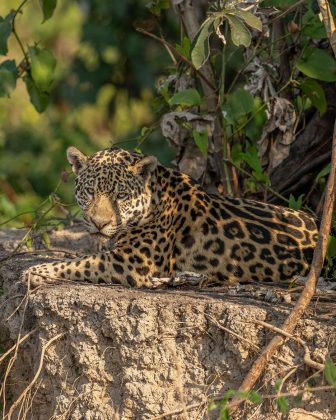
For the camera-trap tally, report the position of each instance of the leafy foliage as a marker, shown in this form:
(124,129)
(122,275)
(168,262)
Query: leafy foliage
(5,31)
(202,140)
(318,64)
(48,8)
(7,77)
(330,372)
(188,98)
(314,91)
(238,19)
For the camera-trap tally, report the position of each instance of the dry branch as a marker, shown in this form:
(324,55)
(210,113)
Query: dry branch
(307,359)
(21,340)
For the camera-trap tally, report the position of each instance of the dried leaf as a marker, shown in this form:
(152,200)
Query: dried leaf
(278,133)
(177,127)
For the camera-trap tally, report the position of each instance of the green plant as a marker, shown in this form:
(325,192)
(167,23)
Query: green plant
(284,400)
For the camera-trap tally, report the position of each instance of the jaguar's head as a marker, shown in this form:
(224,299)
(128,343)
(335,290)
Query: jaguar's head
(114,188)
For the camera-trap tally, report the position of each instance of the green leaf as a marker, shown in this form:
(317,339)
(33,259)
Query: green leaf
(295,204)
(255,397)
(29,242)
(39,99)
(331,249)
(312,26)
(201,140)
(224,414)
(5,31)
(227,396)
(184,48)
(324,172)
(46,239)
(252,159)
(318,64)
(188,97)
(330,372)
(261,177)
(212,405)
(240,35)
(48,8)
(156,6)
(282,404)
(236,153)
(8,76)
(314,91)
(242,103)
(144,131)
(43,66)
(250,19)
(201,49)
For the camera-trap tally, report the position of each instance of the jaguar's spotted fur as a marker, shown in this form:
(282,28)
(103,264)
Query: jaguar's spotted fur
(166,223)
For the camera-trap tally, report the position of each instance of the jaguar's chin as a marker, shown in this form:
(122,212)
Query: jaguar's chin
(111,231)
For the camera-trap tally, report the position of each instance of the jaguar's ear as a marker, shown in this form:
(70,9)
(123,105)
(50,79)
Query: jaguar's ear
(145,166)
(76,159)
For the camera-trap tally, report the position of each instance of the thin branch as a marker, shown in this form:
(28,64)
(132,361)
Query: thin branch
(285,12)
(294,394)
(307,359)
(22,339)
(262,184)
(180,410)
(18,10)
(175,51)
(245,340)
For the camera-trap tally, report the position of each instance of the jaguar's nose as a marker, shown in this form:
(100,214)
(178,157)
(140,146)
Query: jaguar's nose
(99,223)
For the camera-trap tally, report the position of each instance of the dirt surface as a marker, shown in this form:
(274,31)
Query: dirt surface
(138,354)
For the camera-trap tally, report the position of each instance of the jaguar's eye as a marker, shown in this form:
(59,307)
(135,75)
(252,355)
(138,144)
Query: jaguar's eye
(122,196)
(90,191)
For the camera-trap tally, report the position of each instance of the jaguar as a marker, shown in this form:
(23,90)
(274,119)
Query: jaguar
(163,222)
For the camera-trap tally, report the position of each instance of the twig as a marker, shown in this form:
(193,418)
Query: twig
(285,12)
(293,394)
(309,289)
(44,251)
(214,321)
(180,410)
(18,10)
(22,339)
(262,184)
(37,374)
(307,359)
(175,51)
(229,331)
(24,297)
